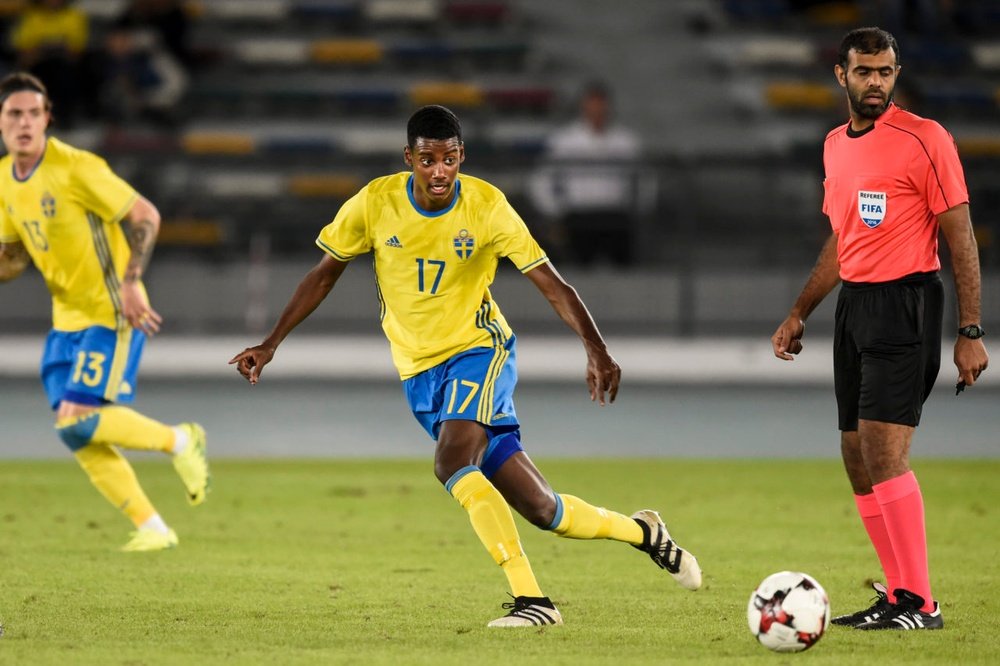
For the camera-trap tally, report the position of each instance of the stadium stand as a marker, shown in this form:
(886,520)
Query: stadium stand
(293,104)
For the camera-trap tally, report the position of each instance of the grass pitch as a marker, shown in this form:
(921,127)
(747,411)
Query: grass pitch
(371,562)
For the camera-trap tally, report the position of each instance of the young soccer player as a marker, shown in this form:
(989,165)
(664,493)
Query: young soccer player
(893,181)
(437,238)
(91,236)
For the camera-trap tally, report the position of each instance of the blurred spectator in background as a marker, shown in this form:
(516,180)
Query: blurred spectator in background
(167,18)
(143,81)
(589,185)
(49,39)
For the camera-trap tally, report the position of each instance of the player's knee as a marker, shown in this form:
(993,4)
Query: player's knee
(443,470)
(77,432)
(540,512)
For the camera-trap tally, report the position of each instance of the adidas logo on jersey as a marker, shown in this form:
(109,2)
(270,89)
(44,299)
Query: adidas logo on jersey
(393,242)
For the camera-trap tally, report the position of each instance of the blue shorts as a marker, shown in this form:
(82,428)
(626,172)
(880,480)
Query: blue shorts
(476,385)
(94,366)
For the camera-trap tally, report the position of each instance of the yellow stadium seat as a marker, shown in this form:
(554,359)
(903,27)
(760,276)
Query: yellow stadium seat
(979,146)
(465,95)
(800,96)
(190,232)
(218,143)
(346,51)
(324,185)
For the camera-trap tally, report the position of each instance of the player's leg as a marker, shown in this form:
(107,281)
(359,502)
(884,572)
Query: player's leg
(449,400)
(102,369)
(107,469)
(525,488)
(116,481)
(460,446)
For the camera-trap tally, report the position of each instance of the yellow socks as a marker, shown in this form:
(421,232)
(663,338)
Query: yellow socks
(494,525)
(113,476)
(116,425)
(131,430)
(575,519)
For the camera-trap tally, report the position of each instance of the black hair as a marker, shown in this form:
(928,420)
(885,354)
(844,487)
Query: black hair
(433,122)
(596,88)
(21,81)
(868,41)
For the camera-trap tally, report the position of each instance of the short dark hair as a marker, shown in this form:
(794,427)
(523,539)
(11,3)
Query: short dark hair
(21,81)
(868,41)
(433,122)
(596,88)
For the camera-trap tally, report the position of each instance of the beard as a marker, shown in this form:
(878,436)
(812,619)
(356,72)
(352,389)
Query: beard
(866,110)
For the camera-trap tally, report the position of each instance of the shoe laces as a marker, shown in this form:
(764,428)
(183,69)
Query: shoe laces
(518,604)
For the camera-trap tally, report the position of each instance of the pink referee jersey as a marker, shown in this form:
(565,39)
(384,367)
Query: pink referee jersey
(884,189)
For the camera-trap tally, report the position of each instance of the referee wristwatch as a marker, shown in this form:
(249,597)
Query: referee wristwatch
(972,331)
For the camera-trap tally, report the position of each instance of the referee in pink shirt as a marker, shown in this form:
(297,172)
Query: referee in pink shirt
(893,181)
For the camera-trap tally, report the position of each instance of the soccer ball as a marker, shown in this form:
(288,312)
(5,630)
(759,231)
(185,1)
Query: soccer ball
(788,612)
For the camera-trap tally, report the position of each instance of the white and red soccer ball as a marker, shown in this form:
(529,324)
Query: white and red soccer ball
(788,612)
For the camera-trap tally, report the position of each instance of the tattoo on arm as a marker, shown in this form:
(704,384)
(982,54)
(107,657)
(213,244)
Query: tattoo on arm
(141,236)
(14,259)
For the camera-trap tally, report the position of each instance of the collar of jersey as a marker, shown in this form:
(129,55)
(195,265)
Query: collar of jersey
(13,166)
(431,213)
(891,111)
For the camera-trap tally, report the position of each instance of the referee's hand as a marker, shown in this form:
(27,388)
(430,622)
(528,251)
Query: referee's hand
(787,340)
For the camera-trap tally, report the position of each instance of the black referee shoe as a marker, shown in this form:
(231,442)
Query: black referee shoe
(905,614)
(880,605)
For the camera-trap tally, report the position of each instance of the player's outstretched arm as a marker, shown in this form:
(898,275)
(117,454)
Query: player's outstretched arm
(14,259)
(603,372)
(141,226)
(825,275)
(308,295)
(956,226)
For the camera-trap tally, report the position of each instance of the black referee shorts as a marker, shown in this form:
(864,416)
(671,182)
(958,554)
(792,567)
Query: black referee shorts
(887,349)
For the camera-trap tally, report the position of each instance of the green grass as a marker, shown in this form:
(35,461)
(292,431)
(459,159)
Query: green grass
(361,562)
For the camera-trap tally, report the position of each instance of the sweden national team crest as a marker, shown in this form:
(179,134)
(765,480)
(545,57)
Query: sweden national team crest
(871,207)
(464,244)
(48,205)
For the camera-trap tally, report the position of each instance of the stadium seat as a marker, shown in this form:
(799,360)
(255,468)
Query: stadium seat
(346,52)
(191,232)
(535,99)
(979,146)
(287,51)
(967,98)
(402,11)
(265,11)
(800,95)
(459,95)
(346,12)
(297,145)
(485,12)
(324,185)
(765,51)
(218,143)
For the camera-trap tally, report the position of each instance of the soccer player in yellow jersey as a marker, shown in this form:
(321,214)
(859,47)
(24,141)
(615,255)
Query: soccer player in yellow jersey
(90,235)
(437,239)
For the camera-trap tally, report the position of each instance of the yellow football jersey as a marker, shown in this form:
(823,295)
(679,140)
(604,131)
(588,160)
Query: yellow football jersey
(433,269)
(66,212)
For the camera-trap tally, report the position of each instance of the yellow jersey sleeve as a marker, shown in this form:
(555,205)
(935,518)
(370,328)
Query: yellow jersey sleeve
(348,236)
(512,239)
(99,189)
